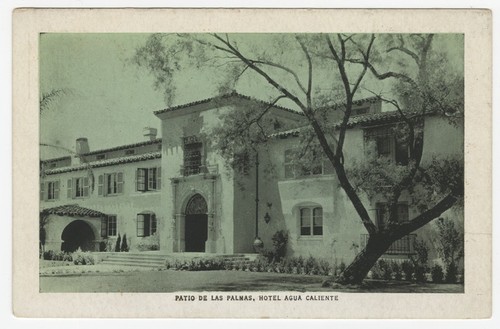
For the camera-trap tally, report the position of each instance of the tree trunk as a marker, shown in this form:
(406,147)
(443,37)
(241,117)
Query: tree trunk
(355,273)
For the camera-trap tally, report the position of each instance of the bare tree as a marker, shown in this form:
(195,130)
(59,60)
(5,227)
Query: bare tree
(321,74)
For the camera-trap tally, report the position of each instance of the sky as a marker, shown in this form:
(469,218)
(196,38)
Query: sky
(110,100)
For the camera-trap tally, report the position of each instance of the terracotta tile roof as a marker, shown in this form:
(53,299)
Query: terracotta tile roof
(364,119)
(73,210)
(57,159)
(105,163)
(223,97)
(122,147)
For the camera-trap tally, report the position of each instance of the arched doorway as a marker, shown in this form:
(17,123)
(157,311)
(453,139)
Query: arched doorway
(196,224)
(77,234)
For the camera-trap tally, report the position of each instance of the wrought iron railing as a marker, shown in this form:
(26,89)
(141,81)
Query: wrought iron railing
(403,246)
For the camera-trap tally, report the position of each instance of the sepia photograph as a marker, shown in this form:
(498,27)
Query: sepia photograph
(220,171)
(235,162)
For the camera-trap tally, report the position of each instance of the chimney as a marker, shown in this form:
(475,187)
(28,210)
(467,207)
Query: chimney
(150,133)
(82,147)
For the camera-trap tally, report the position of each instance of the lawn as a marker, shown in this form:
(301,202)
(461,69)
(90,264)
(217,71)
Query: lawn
(172,281)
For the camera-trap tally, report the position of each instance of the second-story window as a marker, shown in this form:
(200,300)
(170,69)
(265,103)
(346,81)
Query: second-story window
(49,190)
(78,187)
(192,158)
(382,210)
(110,184)
(387,144)
(148,179)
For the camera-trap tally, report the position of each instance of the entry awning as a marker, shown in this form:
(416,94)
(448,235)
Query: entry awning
(73,210)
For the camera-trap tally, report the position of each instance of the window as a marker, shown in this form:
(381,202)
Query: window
(294,169)
(78,187)
(129,152)
(192,158)
(111,225)
(388,145)
(311,221)
(383,213)
(100,156)
(146,224)
(148,179)
(110,184)
(108,226)
(49,190)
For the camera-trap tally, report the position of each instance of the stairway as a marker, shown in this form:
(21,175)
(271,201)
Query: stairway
(158,260)
(133,259)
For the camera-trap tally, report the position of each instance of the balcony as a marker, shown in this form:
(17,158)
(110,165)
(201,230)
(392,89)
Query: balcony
(403,246)
(198,169)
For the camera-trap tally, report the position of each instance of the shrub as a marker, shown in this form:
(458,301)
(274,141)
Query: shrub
(408,268)
(450,248)
(67,257)
(280,240)
(151,242)
(310,264)
(117,245)
(451,273)
(324,267)
(48,255)
(124,246)
(342,266)
(396,270)
(386,268)
(82,258)
(420,261)
(437,274)
(420,272)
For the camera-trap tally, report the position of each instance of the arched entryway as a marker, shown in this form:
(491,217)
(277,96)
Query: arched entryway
(78,234)
(196,224)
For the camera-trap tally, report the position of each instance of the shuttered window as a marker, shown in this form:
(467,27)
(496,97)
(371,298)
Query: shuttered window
(383,213)
(110,184)
(77,187)
(148,179)
(52,190)
(146,224)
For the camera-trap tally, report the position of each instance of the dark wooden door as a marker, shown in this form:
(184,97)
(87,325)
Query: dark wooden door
(196,232)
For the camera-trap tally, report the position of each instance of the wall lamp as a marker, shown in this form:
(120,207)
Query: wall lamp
(267,218)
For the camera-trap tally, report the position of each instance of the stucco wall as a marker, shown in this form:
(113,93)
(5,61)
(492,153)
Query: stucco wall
(193,123)
(125,206)
(343,230)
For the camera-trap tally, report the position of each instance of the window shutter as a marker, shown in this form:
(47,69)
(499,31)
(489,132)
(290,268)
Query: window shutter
(140,225)
(100,185)
(70,190)
(158,178)
(56,190)
(85,186)
(42,191)
(119,183)
(147,225)
(154,224)
(104,227)
(140,179)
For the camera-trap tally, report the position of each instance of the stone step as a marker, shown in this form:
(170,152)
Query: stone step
(135,263)
(139,256)
(131,260)
(158,260)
